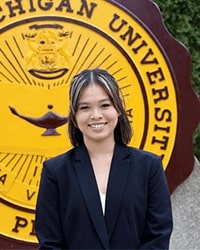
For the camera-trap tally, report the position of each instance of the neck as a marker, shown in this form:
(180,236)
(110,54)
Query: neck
(100,148)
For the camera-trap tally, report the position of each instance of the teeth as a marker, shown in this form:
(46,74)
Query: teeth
(97,125)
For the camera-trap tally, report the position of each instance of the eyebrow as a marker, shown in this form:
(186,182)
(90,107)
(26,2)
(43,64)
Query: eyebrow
(103,100)
(82,103)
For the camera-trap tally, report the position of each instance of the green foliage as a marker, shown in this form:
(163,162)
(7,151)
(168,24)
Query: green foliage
(182,19)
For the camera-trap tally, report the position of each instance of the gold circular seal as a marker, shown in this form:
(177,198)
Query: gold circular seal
(42,47)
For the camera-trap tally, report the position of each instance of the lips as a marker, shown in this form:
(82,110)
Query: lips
(97,125)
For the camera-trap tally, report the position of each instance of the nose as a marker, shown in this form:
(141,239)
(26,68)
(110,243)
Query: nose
(96,114)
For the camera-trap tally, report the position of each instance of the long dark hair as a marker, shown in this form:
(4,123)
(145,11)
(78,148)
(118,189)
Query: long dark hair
(123,132)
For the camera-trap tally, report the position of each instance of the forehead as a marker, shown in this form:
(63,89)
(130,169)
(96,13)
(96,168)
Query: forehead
(94,91)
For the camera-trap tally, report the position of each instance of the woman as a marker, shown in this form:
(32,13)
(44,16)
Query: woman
(102,194)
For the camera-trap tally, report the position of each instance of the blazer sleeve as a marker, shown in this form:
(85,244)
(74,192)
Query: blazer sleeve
(48,224)
(159,212)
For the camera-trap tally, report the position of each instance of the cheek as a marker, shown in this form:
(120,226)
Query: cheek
(115,118)
(115,115)
(80,120)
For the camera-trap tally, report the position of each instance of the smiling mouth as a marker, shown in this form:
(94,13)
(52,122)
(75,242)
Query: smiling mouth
(98,125)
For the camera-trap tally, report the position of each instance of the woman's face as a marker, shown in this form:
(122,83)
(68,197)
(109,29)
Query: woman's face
(96,117)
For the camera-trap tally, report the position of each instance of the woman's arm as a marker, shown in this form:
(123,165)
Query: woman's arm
(159,213)
(48,223)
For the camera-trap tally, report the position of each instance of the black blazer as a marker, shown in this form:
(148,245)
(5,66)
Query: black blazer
(138,209)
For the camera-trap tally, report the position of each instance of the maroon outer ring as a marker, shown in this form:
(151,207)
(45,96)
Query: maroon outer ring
(181,162)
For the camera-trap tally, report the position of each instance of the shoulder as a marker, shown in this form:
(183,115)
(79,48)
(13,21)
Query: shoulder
(60,157)
(146,165)
(138,157)
(144,160)
(139,153)
(136,153)
(59,162)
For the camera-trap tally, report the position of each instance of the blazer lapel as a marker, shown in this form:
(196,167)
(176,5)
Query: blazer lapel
(90,192)
(116,185)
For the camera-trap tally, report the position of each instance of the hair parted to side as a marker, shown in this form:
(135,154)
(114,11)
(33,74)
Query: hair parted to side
(123,131)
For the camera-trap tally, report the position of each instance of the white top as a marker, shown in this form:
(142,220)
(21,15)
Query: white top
(103,201)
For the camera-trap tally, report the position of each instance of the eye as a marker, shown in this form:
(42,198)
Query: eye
(83,107)
(106,105)
(42,42)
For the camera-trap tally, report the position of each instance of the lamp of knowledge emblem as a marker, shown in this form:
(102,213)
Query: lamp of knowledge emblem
(43,45)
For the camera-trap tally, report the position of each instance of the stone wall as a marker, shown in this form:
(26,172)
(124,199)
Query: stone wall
(186,213)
